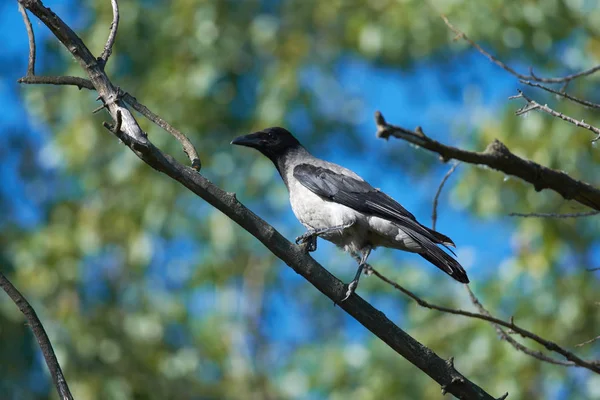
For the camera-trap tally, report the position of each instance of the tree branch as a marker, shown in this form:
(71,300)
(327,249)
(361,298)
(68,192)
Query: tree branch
(554,215)
(294,256)
(507,338)
(188,147)
(574,359)
(532,77)
(561,94)
(534,105)
(437,195)
(112,36)
(31,37)
(501,332)
(81,83)
(41,336)
(497,156)
(588,341)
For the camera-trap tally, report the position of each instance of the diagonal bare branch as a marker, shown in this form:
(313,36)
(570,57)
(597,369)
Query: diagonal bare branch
(40,334)
(506,337)
(534,105)
(562,94)
(31,37)
(112,36)
(497,156)
(187,145)
(501,332)
(574,360)
(532,77)
(588,341)
(437,195)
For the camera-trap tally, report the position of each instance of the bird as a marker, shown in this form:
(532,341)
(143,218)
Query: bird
(336,204)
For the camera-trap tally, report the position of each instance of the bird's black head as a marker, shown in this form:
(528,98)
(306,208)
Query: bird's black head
(272,142)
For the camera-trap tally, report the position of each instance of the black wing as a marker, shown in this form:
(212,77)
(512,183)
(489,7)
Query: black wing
(360,196)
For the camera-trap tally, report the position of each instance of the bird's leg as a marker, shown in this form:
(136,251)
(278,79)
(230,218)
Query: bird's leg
(310,237)
(362,264)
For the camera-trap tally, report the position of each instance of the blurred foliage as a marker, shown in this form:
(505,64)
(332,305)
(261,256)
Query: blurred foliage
(147,292)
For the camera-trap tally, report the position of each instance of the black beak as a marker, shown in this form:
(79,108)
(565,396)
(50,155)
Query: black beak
(251,140)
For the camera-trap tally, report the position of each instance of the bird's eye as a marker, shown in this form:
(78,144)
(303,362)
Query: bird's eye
(271,136)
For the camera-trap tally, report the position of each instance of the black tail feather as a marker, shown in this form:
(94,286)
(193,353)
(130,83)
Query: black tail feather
(446,263)
(443,239)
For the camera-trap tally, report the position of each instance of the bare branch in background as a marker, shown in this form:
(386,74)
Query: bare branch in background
(437,195)
(506,337)
(40,334)
(588,341)
(112,36)
(532,77)
(534,105)
(188,147)
(501,332)
(81,83)
(574,360)
(497,156)
(554,215)
(561,94)
(31,37)
(294,256)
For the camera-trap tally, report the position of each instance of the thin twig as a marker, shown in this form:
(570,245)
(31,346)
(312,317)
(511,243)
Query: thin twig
(506,337)
(116,128)
(437,195)
(577,361)
(554,215)
(532,77)
(112,36)
(31,37)
(592,270)
(81,83)
(588,341)
(562,94)
(497,156)
(568,78)
(188,147)
(40,334)
(534,105)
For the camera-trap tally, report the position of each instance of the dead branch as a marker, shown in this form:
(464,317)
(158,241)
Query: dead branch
(112,36)
(188,147)
(534,105)
(31,37)
(561,94)
(574,360)
(554,215)
(40,334)
(497,156)
(532,77)
(437,195)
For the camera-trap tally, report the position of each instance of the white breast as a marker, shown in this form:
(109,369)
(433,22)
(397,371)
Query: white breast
(316,213)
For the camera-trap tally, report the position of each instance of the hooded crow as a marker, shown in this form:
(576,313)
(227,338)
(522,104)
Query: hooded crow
(337,205)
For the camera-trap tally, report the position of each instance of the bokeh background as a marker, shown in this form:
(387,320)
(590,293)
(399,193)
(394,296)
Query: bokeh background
(149,293)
